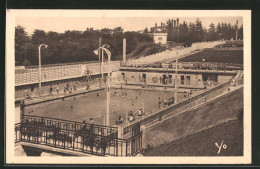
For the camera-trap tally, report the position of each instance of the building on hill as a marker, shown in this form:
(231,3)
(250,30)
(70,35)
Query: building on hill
(160,33)
(160,38)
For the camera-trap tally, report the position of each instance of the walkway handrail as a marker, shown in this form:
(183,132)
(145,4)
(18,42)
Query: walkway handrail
(84,139)
(62,120)
(152,116)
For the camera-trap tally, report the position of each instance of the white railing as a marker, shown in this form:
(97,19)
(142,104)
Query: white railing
(171,54)
(62,72)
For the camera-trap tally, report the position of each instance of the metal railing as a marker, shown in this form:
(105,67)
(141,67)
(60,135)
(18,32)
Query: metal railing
(75,136)
(177,108)
(185,65)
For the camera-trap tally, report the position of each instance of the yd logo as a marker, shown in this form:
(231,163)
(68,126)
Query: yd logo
(224,146)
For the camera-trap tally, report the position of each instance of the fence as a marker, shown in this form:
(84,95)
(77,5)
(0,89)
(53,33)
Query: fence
(177,108)
(185,65)
(62,72)
(171,54)
(75,136)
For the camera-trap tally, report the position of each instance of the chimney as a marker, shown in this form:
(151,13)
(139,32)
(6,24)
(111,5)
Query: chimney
(156,25)
(161,24)
(178,22)
(174,23)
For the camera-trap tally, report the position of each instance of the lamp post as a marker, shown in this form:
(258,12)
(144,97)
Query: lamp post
(176,79)
(176,73)
(40,68)
(102,61)
(108,81)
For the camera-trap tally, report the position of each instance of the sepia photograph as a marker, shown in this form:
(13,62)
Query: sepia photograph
(161,86)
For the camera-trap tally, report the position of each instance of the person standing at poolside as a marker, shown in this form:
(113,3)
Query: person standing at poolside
(159,100)
(57,88)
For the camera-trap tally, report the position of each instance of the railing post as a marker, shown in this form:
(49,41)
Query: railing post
(126,148)
(46,135)
(21,135)
(116,146)
(141,136)
(55,133)
(37,135)
(22,111)
(82,143)
(64,134)
(73,139)
(92,138)
(29,133)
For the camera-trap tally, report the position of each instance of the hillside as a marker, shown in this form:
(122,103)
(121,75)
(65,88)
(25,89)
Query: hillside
(198,125)
(143,49)
(203,143)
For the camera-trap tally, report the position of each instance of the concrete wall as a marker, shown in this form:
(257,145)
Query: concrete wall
(153,78)
(224,78)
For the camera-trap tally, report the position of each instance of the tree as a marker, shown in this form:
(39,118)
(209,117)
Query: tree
(169,25)
(21,42)
(146,30)
(240,33)
(199,30)
(212,36)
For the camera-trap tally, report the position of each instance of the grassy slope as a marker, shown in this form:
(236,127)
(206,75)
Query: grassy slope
(144,49)
(212,55)
(195,119)
(203,143)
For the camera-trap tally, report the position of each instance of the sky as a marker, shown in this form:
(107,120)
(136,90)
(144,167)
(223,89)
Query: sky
(61,23)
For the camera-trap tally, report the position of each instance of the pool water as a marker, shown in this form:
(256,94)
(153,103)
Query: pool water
(93,105)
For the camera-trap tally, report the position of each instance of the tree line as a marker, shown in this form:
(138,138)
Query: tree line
(196,32)
(72,46)
(78,46)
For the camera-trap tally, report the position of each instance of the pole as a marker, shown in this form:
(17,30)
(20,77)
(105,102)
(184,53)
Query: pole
(99,44)
(40,68)
(176,80)
(124,51)
(108,93)
(178,29)
(236,29)
(40,71)
(102,65)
